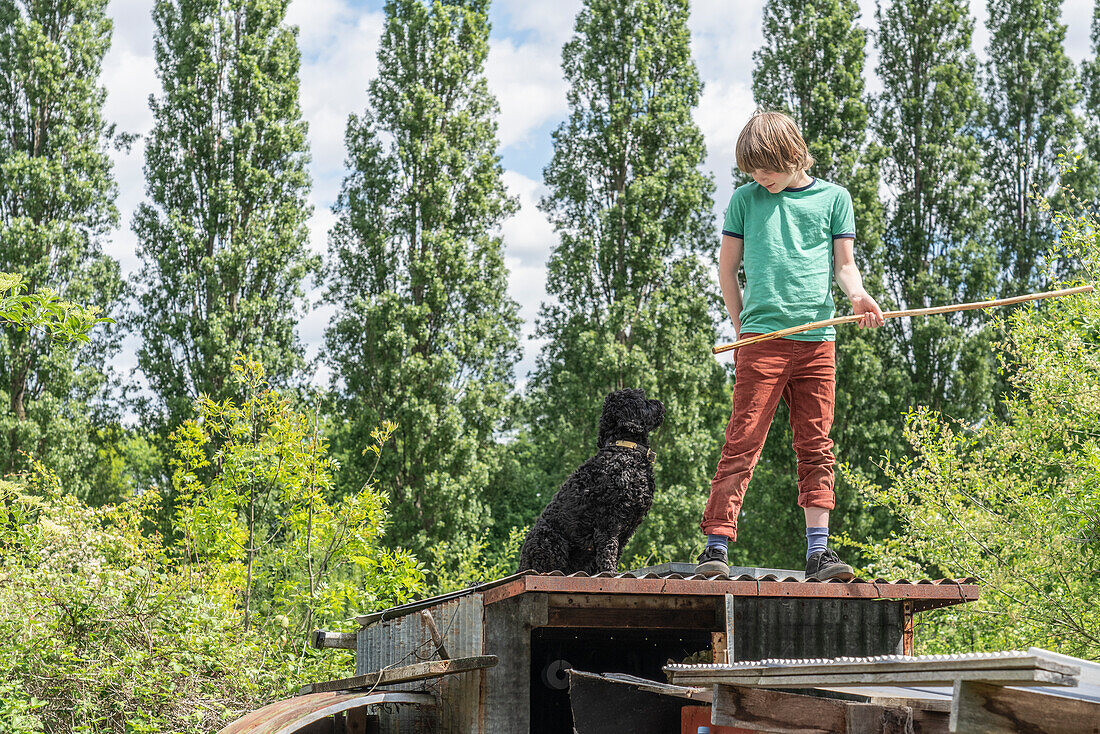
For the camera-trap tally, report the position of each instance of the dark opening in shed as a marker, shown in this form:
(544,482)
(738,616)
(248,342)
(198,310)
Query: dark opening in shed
(638,652)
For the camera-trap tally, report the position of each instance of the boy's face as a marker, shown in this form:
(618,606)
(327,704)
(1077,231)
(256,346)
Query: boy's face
(775,181)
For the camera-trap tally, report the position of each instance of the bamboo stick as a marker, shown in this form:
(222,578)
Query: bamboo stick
(898,314)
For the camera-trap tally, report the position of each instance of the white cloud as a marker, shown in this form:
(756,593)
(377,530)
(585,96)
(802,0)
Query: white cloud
(528,240)
(527,286)
(527,82)
(723,110)
(528,234)
(129,75)
(548,20)
(339,44)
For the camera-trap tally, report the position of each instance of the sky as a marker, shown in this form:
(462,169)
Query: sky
(339,42)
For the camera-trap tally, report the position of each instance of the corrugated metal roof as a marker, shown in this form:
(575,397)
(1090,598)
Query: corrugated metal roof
(926,594)
(841,661)
(1087,687)
(292,714)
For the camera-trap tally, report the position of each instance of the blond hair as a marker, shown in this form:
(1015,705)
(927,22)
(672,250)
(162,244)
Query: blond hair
(771,142)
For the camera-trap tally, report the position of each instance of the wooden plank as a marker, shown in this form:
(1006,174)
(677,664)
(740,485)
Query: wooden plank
(505,700)
(688,619)
(628,601)
(942,670)
(321,639)
(406,673)
(644,684)
(437,639)
(1018,662)
(926,721)
(907,639)
(919,678)
(729,610)
(979,708)
(718,647)
(791,713)
(942,706)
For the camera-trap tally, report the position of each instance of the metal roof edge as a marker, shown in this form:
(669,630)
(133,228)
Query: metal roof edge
(925,594)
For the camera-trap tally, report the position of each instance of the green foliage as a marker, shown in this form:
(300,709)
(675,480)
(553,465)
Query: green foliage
(425,333)
(1031,90)
(458,566)
(1085,180)
(63,321)
(58,199)
(100,632)
(936,251)
(1013,502)
(105,629)
(255,487)
(222,237)
(634,304)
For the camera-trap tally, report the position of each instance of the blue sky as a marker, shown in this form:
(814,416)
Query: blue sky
(339,41)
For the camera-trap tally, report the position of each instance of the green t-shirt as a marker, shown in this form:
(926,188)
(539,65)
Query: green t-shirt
(788,254)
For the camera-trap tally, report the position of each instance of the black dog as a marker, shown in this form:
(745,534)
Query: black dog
(597,509)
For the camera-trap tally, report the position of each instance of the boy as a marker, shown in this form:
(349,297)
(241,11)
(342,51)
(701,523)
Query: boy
(794,233)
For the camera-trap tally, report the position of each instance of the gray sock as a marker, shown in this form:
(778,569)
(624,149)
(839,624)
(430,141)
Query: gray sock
(817,539)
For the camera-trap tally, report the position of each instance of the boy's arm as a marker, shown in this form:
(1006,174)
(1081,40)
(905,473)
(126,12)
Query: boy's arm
(729,262)
(851,282)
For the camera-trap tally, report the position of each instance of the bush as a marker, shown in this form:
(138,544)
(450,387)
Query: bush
(104,628)
(1014,502)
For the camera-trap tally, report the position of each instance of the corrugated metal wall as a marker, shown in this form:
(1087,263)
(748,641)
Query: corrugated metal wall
(815,628)
(407,640)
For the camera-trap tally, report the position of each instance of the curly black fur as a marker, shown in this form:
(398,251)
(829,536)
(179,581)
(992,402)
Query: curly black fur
(597,509)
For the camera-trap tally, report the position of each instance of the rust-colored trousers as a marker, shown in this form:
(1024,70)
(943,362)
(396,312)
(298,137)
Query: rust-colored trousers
(804,375)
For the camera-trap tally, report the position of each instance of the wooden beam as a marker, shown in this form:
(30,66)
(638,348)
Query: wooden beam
(405,674)
(719,648)
(851,680)
(628,601)
(437,639)
(505,698)
(979,708)
(791,713)
(689,619)
(1015,669)
(729,611)
(320,639)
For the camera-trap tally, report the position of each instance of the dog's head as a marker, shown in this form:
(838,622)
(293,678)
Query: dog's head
(628,415)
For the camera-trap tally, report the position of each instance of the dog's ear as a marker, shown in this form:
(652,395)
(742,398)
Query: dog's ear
(655,414)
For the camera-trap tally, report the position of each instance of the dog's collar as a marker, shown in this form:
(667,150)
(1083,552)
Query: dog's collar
(649,453)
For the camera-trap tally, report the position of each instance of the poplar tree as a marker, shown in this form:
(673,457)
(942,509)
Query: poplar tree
(928,115)
(222,236)
(633,296)
(1030,89)
(425,334)
(57,204)
(1086,182)
(810,66)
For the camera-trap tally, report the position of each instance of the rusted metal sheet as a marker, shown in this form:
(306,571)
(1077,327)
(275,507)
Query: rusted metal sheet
(408,639)
(294,714)
(926,594)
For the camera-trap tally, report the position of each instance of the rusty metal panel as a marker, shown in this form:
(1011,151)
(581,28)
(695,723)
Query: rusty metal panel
(816,628)
(926,594)
(407,639)
(295,714)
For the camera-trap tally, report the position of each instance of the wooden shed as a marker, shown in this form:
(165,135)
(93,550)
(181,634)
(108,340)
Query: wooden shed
(539,626)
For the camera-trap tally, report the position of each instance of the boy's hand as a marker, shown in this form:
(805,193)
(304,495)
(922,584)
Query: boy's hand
(862,303)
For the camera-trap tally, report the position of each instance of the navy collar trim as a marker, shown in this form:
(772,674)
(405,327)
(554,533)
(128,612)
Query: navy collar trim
(803,188)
